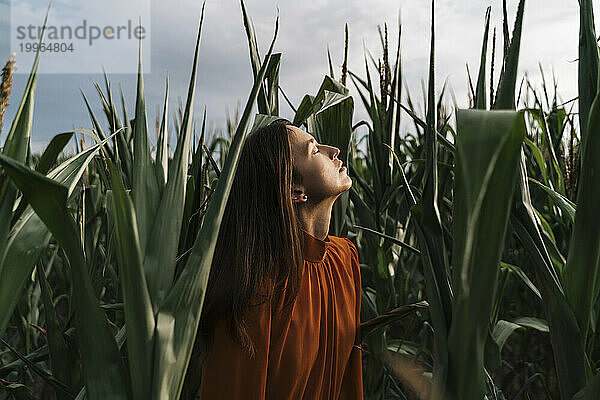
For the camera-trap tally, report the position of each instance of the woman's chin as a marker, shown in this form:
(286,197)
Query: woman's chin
(347,183)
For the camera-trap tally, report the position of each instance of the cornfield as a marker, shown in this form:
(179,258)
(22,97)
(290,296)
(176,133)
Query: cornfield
(478,231)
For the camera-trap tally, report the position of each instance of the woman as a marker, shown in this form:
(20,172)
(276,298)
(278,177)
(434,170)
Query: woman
(281,314)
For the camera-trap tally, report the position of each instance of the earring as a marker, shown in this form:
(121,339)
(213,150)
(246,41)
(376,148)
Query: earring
(305,197)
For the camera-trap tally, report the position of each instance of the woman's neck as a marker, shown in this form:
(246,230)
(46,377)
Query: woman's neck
(315,218)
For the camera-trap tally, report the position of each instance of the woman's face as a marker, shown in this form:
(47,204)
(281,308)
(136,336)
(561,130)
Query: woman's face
(322,173)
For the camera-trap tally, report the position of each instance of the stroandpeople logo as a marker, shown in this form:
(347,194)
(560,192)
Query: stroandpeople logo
(82,37)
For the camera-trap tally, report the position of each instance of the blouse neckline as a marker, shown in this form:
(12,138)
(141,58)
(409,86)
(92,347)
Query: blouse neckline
(313,249)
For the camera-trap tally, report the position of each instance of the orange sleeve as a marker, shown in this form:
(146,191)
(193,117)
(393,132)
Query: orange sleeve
(229,372)
(352,384)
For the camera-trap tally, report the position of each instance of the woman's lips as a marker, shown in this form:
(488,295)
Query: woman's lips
(342,169)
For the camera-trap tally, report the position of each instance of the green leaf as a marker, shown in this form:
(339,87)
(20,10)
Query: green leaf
(162,156)
(97,127)
(51,380)
(362,212)
(29,237)
(541,119)
(17,141)
(523,277)
(179,315)
(37,355)
(390,317)
(60,359)
(263,105)
(431,236)
(391,239)
(261,120)
(138,307)
(495,342)
(103,367)
(54,148)
(538,157)
(591,391)
(20,392)
(272,83)
(305,109)
(481,93)
(533,323)
(581,274)
(329,85)
(145,185)
(505,98)
(161,252)
(330,64)
(561,201)
(47,160)
(120,339)
(17,145)
(502,332)
(567,341)
(587,68)
(487,156)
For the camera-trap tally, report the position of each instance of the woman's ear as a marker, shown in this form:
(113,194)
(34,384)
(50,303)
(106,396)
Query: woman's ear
(298,195)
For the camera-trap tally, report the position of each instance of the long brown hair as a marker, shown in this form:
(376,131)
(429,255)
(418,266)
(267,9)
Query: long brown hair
(258,247)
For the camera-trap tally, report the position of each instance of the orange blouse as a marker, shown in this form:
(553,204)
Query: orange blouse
(306,353)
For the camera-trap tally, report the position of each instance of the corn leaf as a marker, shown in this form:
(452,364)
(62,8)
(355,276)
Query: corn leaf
(30,236)
(390,317)
(565,335)
(17,145)
(587,68)
(145,185)
(60,361)
(430,234)
(591,391)
(103,367)
(178,317)
(505,98)
(581,274)
(261,120)
(163,242)
(481,92)
(391,239)
(488,145)
(561,201)
(52,151)
(139,316)
(162,156)
(263,105)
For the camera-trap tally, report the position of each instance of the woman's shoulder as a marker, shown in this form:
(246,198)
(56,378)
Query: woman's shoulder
(346,249)
(348,258)
(343,242)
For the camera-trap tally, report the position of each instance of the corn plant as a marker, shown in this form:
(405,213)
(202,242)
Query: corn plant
(455,308)
(469,232)
(161,312)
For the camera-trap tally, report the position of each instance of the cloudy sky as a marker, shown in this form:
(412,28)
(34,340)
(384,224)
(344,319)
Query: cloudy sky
(550,36)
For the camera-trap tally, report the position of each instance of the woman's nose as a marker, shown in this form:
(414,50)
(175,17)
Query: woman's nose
(335,151)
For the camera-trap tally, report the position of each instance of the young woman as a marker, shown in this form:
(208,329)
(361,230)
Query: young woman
(281,314)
